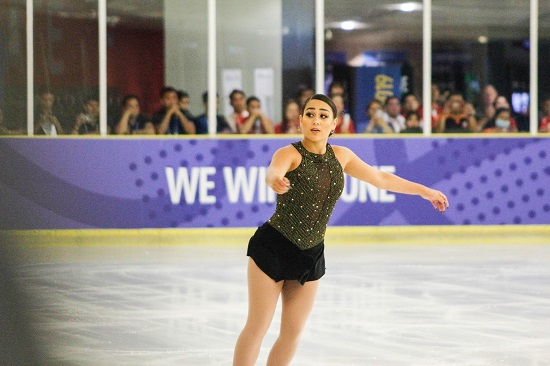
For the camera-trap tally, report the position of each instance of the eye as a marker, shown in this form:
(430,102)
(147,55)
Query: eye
(324,116)
(309,114)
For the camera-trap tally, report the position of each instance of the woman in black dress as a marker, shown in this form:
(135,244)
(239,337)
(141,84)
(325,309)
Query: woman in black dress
(287,252)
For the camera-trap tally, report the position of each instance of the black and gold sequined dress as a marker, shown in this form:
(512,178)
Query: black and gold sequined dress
(290,245)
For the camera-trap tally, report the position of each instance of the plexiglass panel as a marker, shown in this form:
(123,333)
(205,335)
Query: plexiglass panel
(481,65)
(544,67)
(135,64)
(374,50)
(66,70)
(13,68)
(249,59)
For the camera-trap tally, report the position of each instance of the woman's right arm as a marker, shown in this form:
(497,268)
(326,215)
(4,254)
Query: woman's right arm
(282,161)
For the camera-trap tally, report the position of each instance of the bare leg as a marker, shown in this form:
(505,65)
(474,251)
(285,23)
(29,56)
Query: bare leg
(297,304)
(263,294)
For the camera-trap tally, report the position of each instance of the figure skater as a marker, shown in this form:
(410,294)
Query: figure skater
(287,252)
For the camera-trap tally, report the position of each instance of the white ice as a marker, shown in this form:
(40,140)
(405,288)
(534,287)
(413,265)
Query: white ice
(377,305)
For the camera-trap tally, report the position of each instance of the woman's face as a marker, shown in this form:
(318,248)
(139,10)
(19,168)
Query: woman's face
(133,105)
(184,103)
(317,120)
(92,107)
(501,102)
(292,111)
(489,94)
(339,102)
(411,103)
(373,108)
(456,103)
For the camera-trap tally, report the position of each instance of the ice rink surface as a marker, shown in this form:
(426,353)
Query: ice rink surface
(385,305)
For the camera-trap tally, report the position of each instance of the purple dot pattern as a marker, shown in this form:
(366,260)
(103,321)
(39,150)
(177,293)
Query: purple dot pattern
(485,180)
(489,181)
(193,153)
(518,202)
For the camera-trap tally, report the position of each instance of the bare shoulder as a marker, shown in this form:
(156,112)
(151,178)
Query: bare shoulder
(341,149)
(287,155)
(287,151)
(343,154)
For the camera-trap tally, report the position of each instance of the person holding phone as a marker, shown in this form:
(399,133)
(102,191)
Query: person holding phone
(377,123)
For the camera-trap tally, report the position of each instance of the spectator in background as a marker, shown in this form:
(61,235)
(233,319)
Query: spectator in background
(87,123)
(437,106)
(4,130)
(487,106)
(488,97)
(375,118)
(501,122)
(291,118)
(412,123)
(470,112)
(237,99)
(453,119)
(170,119)
(256,122)
(501,102)
(544,125)
(132,121)
(303,95)
(201,122)
(183,101)
(337,87)
(345,124)
(411,104)
(46,122)
(392,114)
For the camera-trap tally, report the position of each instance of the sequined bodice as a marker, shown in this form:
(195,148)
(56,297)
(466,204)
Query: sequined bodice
(302,214)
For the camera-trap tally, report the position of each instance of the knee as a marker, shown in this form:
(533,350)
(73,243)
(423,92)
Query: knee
(255,329)
(291,334)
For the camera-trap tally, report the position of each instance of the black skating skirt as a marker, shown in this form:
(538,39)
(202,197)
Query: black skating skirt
(280,259)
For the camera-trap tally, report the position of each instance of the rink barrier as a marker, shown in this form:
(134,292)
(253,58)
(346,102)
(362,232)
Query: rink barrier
(201,182)
(336,235)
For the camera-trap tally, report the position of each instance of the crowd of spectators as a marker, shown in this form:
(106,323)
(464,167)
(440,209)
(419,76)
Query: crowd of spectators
(449,113)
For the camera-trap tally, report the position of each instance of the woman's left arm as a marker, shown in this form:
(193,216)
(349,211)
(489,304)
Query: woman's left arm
(357,168)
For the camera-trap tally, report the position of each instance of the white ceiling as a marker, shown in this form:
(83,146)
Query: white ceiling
(459,20)
(453,19)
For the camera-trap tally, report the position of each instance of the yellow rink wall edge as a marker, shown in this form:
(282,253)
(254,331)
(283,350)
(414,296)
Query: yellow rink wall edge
(336,235)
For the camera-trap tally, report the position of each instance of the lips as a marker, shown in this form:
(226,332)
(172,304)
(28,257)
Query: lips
(315,130)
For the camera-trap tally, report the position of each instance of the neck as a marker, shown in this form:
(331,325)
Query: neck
(315,147)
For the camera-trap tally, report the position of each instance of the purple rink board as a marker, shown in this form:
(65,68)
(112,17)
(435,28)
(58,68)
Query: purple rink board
(68,183)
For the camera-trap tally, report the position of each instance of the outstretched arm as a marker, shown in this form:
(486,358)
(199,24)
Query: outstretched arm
(284,160)
(357,168)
